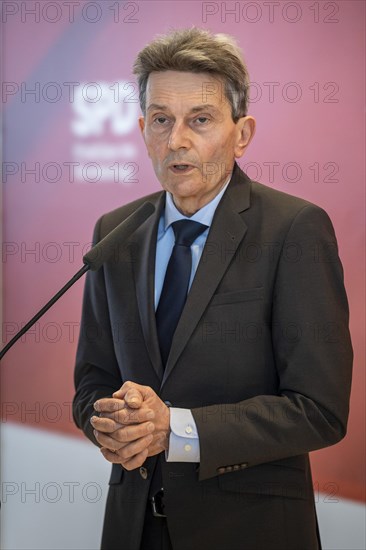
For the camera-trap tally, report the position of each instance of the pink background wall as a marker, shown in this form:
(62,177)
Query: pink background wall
(306,62)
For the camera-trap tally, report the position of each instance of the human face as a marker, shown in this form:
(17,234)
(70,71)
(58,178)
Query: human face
(191,137)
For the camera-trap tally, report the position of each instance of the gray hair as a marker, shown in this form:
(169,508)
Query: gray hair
(198,51)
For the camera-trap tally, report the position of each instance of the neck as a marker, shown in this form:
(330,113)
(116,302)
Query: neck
(188,206)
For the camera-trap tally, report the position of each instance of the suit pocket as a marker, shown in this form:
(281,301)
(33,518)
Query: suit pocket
(116,474)
(236,296)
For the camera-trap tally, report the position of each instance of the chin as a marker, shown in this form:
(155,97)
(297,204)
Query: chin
(181,188)
(182,193)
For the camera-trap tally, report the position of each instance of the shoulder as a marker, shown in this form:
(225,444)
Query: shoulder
(290,216)
(278,212)
(285,206)
(278,202)
(272,204)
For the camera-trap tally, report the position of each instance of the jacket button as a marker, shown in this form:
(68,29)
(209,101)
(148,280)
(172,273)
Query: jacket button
(244,465)
(143,472)
(221,470)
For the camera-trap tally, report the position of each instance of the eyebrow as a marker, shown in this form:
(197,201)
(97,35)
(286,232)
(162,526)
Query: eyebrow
(195,109)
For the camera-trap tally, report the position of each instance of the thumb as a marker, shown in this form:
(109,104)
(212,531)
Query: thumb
(132,398)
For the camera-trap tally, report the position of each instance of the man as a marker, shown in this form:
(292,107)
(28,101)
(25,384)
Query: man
(208,404)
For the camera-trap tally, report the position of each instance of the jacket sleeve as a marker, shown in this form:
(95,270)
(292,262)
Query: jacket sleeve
(313,357)
(96,371)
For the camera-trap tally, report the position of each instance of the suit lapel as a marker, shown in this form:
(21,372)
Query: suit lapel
(226,233)
(144,269)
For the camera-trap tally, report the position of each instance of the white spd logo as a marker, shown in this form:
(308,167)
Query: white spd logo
(99,104)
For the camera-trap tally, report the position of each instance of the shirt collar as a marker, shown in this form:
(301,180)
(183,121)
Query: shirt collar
(203,215)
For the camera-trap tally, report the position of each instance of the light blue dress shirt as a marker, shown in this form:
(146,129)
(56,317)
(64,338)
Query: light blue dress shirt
(183,440)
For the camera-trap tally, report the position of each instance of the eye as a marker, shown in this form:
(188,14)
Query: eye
(202,119)
(160,120)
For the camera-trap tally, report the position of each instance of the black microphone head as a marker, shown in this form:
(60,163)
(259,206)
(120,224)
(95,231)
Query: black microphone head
(103,250)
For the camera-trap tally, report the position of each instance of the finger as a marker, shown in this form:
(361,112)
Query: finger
(131,395)
(133,398)
(131,416)
(105,440)
(131,464)
(127,451)
(127,386)
(108,404)
(124,435)
(103,424)
(136,461)
(121,407)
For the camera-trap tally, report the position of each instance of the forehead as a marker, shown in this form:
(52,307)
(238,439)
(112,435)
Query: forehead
(170,88)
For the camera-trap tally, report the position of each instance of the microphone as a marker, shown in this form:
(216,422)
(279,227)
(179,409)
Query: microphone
(103,250)
(93,260)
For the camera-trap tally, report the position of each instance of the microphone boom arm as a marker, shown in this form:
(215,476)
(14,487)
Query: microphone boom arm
(93,260)
(45,308)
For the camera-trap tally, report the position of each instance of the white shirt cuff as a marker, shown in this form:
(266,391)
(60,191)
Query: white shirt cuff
(183,440)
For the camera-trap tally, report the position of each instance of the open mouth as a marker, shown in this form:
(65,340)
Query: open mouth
(181,168)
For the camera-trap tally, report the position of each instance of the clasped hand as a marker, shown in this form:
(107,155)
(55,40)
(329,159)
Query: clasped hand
(132,425)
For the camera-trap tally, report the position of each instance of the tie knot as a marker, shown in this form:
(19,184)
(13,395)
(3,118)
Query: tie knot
(187,231)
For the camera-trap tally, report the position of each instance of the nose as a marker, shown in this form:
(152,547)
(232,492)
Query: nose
(179,137)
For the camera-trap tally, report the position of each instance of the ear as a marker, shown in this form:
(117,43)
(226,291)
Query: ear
(246,130)
(142,128)
(142,124)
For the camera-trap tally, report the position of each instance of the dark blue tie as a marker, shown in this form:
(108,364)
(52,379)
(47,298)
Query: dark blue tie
(176,282)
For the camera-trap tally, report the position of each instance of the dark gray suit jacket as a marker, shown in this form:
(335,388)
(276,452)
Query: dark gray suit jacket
(261,354)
